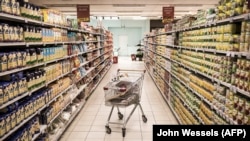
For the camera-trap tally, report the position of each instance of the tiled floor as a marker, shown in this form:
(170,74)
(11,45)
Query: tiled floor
(90,123)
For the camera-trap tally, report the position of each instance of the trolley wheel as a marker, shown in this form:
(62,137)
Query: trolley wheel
(144,118)
(108,130)
(120,115)
(123,132)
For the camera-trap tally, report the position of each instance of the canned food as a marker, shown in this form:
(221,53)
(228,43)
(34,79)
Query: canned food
(247,37)
(13,119)
(234,114)
(242,47)
(246,120)
(242,37)
(246,46)
(8,122)
(2,125)
(248,26)
(247,108)
(243,26)
(240,118)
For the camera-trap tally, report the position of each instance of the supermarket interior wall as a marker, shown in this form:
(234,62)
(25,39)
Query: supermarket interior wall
(126,28)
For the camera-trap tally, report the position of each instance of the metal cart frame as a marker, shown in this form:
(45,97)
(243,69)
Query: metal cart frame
(124,90)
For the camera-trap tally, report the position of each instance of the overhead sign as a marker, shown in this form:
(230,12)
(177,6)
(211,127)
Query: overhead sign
(167,14)
(83,13)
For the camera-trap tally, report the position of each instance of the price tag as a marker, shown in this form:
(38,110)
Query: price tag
(234,89)
(239,55)
(27,44)
(246,16)
(231,20)
(232,54)
(228,54)
(248,55)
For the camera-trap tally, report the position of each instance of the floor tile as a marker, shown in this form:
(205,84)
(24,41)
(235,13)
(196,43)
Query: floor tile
(97,128)
(82,128)
(89,125)
(78,135)
(96,135)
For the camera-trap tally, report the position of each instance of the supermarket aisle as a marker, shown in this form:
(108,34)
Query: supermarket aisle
(90,123)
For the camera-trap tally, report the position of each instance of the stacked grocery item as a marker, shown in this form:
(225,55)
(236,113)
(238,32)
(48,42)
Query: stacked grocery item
(230,8)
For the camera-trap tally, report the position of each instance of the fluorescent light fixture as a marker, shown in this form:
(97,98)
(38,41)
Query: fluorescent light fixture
(69,13)
(139,18)
(100,18)
(107,18)
(128,5)
(115,18)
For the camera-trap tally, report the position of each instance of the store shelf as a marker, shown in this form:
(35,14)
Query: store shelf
(20,69)
(58,95)
(42,130)
(10,17)
(6,44)
(10,45)
(215,80)
(18,126)
(169,105)
(57,136)
(99,81)
(187,106)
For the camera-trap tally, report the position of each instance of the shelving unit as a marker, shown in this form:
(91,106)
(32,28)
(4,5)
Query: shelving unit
(100,51)
(186,75)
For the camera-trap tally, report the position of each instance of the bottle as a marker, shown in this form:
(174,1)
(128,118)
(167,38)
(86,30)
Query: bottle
(14,7)
(28,57)
(27,33)
(6,32)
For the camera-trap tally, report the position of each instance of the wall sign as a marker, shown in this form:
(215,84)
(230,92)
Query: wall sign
(167,14)
(83,13)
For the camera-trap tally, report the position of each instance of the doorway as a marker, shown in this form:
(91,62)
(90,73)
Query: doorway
(126,39)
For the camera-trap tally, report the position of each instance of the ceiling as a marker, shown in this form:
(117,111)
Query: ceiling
(151,9)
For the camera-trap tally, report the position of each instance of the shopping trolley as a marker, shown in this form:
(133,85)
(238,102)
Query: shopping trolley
(124,90)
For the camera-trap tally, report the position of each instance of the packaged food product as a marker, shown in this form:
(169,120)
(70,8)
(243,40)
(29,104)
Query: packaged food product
(3,62)
(8,122)
(13,119)
(243,26)
(247,108)
(240,118)
(6,32)
(20,33)
(8,6)
(246,120)
(2,125)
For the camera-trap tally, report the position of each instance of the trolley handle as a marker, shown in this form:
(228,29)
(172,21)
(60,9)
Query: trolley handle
(118,70)
(121,89)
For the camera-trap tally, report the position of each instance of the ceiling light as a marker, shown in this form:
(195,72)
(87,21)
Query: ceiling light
(128,11)
(128,5)
(139,18)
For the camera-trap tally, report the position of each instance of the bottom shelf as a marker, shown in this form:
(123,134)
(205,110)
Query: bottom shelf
(175,114)
(56,136)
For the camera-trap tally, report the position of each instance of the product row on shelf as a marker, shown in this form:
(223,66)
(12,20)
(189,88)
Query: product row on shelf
(202,87)
(49,66)
(225,11)
(40,80)
(24,10)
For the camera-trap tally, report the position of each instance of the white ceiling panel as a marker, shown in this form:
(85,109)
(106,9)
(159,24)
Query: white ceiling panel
(128,7)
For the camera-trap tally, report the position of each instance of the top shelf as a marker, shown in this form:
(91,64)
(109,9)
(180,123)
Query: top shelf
(209,24)
(24,20)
